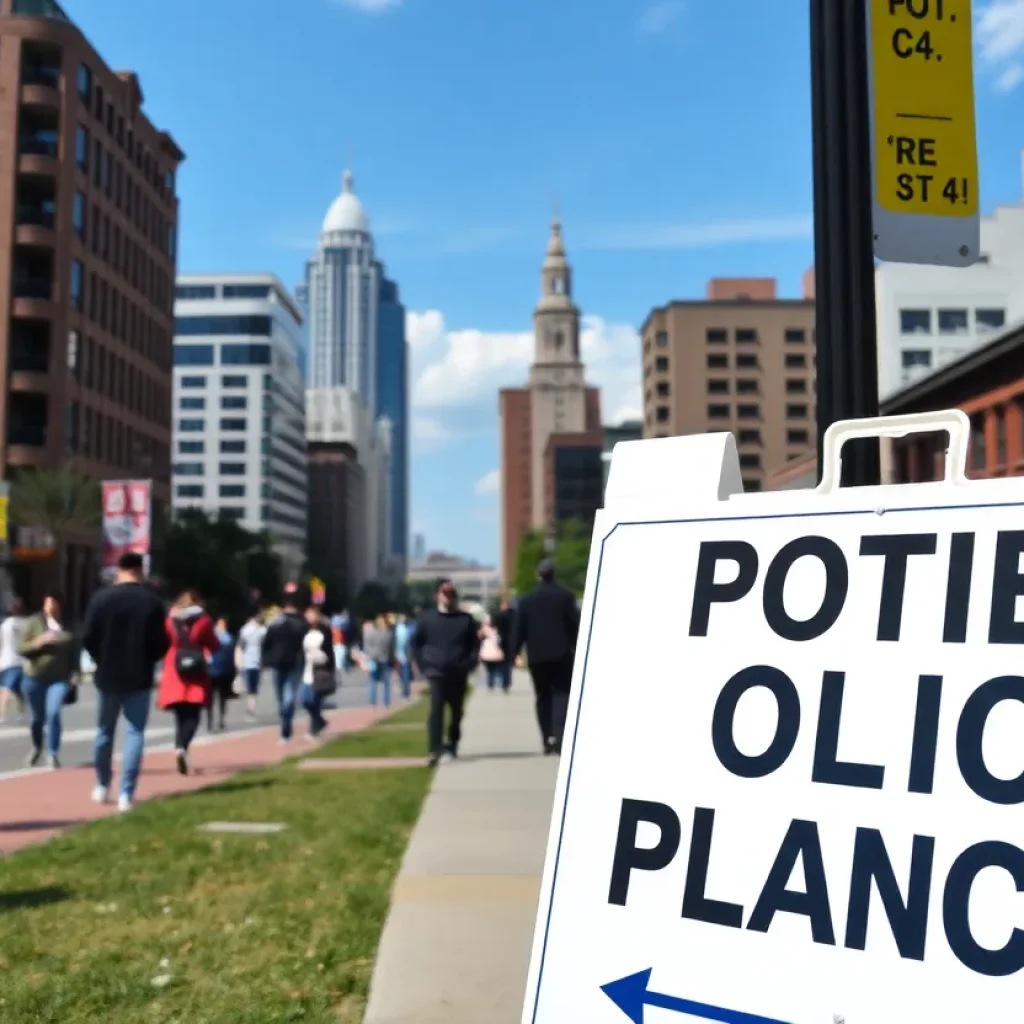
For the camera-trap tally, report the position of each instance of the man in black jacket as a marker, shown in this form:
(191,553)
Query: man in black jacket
(282,653)
(125,634)
(445,647)
(547,621)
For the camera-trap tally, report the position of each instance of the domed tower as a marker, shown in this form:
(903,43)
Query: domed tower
(557,386)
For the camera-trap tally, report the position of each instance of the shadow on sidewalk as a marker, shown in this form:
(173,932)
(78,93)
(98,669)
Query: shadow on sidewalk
(32,898)
(37,826)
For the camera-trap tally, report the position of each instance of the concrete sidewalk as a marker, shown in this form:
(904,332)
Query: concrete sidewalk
(456,946)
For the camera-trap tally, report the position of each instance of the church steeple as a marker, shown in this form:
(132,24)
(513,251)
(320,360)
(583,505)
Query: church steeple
(556,318)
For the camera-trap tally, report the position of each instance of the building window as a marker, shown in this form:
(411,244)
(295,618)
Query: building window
(661,414)
(748,412)
(195,291)
(716,336)
(796,412)
(1000,436)
(718,387)
(76,284)
(749,484)
(751,461)
(661,364)
(747,387)
(914,357)
(750,437)
(192,382)
(661,389)
(192,402)
(213,326)
(915,321)
(795,386)
(795,360)
(84,82)
(82,147)
(797,437)
(189,469)
(795,335)
(990,319)
(718,412)
(78,214)
(188,491)
(246,291)
(234,424)
(232,512)
(718,362)
(661,339)
(193,355)
(953,321)
(746,336)
(229,380)
(192,426)
(978,454)
(191,447)
(232,469)
(746,361)
(233,447)
(234,402)
(232,490)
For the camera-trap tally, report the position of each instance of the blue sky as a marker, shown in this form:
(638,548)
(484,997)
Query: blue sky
(675,134)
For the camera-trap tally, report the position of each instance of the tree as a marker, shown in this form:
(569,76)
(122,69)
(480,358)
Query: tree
(572,553)
(529,554)
(63,501)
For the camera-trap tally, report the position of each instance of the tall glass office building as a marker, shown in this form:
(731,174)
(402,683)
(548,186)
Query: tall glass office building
(393,402)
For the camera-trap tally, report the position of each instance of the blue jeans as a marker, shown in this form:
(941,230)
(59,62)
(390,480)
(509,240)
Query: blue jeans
(12,679)
(498,674)
(405,675)
(135,708)
(45,703)
(252,681)
(313,702)
(380,676)
(286,688)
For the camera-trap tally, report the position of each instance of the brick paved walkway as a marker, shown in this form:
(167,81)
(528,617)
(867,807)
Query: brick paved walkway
(39,804)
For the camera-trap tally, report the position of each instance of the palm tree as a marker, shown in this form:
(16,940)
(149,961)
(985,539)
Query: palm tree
(61,501)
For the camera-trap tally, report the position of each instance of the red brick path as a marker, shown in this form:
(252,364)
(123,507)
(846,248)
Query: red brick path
(38,805)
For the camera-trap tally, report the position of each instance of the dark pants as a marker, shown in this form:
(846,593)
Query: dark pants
(186,724)
(551,683)
(450,691)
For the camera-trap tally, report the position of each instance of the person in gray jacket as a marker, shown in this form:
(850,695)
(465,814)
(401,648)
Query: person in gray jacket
(379,651)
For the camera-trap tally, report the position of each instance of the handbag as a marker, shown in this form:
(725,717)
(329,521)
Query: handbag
(238,686)
(71,697)
(324,682)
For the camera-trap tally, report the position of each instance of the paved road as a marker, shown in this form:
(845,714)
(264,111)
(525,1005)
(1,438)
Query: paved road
(80,719)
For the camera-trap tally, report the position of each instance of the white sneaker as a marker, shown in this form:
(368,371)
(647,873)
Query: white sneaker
(124,804)
(99,795)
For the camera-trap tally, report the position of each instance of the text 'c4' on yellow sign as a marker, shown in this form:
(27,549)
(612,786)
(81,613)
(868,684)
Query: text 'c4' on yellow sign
(926,157)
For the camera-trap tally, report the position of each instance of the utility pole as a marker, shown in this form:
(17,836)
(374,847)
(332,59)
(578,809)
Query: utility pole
(847,346)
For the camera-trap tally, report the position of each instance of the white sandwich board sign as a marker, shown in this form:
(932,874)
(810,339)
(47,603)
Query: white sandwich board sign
(791,786)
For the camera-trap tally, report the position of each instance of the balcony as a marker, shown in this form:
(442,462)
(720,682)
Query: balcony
(27,419)
(33,288)
(38,141)
(29,350)
(33,281)
(40,75)
(39,95)
(35,212)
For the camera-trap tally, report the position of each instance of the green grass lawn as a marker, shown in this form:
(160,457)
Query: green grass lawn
(141,918)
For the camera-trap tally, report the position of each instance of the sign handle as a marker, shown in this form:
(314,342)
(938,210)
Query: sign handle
(953,421)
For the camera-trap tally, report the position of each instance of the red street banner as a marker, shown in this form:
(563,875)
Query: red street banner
(127,513)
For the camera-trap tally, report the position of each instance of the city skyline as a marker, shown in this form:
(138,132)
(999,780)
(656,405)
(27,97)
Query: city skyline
(723,189)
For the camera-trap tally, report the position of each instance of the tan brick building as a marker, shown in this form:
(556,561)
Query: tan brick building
(741,360)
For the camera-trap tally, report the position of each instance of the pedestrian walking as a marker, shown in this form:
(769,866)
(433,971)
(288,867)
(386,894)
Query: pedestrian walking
(318,673)
(51,660)
(283,654)
(547,622)
(185,687)
(125,636)
(379,652)
(492,656)
(250,646)
(222,676)
(445,648)
(12,664)
(403,632)
(340,625)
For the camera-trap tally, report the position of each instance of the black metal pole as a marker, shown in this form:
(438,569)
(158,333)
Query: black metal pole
(847,347)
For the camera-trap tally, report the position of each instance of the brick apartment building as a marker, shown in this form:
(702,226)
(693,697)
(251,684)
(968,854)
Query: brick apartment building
(88,227)
(741,359)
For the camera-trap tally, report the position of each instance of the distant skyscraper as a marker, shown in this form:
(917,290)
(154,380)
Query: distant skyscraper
(419,548)
(393,402)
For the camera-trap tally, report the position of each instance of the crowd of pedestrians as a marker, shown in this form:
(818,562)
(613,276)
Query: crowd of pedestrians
(133,643)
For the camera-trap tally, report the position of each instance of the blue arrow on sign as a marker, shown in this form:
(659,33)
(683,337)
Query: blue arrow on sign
(632,993)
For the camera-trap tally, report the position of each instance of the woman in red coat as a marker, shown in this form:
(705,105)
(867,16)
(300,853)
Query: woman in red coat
(185,681)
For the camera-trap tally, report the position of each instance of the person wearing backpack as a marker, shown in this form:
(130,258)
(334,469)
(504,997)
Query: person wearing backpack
(185,686)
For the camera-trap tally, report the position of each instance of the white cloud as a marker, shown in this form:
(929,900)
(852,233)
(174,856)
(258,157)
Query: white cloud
(488,485)
(1000,42)
(369,6)
(656,18)
(457,374)
(429,434)
(701,236)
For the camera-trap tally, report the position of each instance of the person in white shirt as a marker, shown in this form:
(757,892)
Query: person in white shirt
(250,652)
(318,674)
(12,664)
